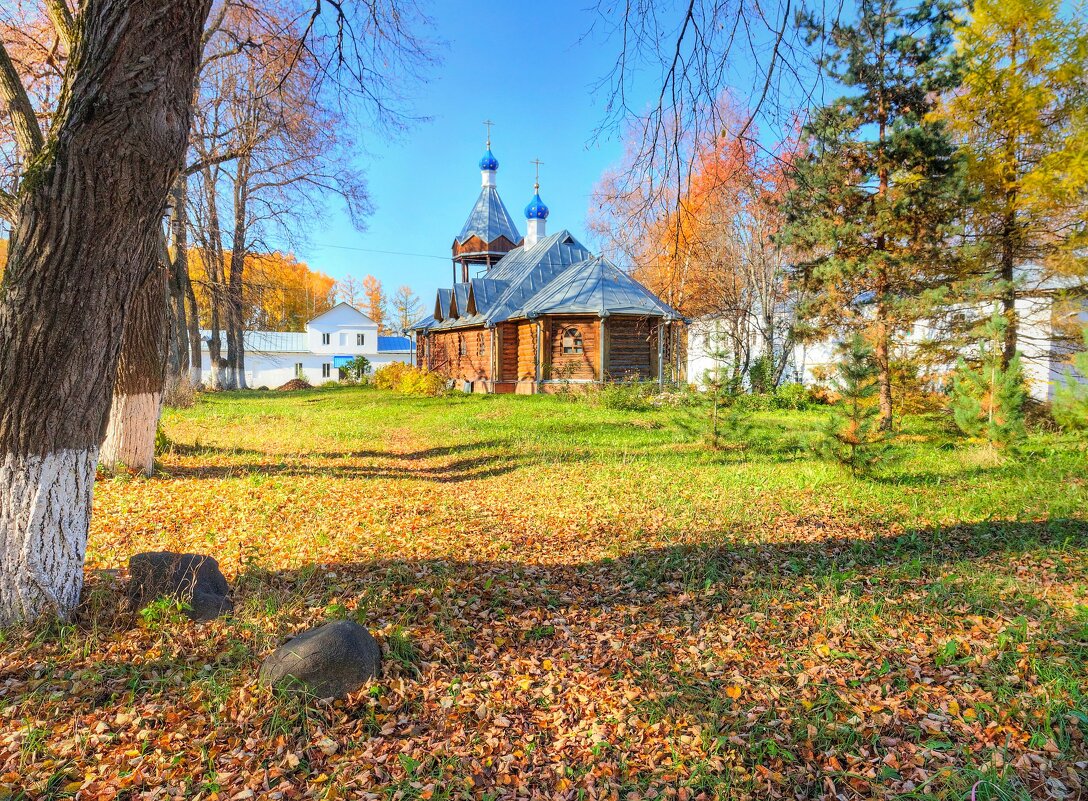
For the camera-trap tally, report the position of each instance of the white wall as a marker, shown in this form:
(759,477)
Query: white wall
(1041,358)
(276,369)
(343,324)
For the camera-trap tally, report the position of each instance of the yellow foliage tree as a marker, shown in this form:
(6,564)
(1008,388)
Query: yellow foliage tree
(1021,113)
(280,292)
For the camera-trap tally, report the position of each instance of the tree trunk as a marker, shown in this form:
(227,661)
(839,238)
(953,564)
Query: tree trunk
(1009,248)
(213,264)
(235,326)
(180,363)
(196,357)
(98,187)
(137,392)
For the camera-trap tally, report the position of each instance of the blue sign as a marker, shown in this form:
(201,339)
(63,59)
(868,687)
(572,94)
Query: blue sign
(342,361)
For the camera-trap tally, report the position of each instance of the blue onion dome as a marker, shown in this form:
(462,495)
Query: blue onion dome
(489,162)
(536,210)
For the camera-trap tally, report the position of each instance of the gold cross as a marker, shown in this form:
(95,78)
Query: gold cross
(488,123)
(537,162)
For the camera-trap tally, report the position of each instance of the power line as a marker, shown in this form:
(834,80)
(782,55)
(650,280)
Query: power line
(383,252)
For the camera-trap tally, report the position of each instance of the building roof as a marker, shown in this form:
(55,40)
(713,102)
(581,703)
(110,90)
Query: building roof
(265,341)
(394,344)
(557,275)
(596,286)
(342,304)
(489,219)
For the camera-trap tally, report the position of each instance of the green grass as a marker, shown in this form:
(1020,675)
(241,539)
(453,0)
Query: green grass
(587,598)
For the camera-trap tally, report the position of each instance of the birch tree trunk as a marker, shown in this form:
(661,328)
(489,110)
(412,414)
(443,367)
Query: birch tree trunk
(98,186)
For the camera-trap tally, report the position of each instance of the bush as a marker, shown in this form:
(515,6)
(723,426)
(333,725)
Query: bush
(401,377)
(1071,399)
(792,396)
(358,368)
(390,376)
(624,396)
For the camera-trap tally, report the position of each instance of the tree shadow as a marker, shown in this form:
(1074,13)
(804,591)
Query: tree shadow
(722,564)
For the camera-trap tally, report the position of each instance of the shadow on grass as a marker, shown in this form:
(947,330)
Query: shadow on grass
(755,572)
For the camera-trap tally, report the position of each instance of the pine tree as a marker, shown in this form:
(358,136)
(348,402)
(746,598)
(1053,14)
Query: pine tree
(988,399)
(880,189)
(1071,399)
(852,436)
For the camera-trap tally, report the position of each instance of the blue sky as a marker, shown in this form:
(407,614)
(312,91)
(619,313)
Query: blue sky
(534,76)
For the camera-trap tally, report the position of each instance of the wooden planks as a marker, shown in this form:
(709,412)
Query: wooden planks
(632,348)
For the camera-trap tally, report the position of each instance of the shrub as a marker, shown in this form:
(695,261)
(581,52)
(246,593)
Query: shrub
(623,396)
(390,376)
(422,382)
(1071,399)
(792,396)
(358,367)
(410,380)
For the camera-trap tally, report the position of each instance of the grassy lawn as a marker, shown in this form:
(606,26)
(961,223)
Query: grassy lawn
(574,602)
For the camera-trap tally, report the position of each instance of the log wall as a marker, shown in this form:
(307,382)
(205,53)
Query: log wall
(575,366)
(632,348)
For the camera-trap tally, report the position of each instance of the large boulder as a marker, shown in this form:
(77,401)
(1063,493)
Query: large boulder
(194,579)
(330,661)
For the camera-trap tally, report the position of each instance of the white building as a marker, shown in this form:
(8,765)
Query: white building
(330,341)
(1044,356)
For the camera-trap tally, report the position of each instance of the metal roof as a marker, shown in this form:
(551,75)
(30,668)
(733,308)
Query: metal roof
(489,219)
(394,344)
(265,341)
(483,292)
(528,270)
(442,304)
(515,278)
(596,286)
(423,323)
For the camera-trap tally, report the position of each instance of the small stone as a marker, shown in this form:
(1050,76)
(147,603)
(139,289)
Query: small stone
(331,661)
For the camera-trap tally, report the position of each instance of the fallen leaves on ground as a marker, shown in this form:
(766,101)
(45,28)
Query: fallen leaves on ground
(550,633)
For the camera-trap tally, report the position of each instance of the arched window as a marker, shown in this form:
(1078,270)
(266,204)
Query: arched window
(480,344)
(462,346)
(572,341)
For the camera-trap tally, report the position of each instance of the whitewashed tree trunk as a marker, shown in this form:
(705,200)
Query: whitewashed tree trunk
(141,375)
(96,196)
(45,505)
(130,433)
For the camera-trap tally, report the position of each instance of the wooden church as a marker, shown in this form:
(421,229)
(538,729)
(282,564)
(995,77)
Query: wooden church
(529,314)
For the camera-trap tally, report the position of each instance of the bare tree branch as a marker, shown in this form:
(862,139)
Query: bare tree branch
(28,134)
(62,19)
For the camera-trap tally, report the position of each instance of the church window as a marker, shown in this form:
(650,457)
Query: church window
(480,344)
(572,341)
(462,345)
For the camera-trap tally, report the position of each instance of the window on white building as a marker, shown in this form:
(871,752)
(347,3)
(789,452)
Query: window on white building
(360,339)
(326,370)
(326,339)
(298,370)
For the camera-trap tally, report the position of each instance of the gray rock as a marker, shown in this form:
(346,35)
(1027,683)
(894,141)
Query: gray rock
(332,660)
(194,579)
